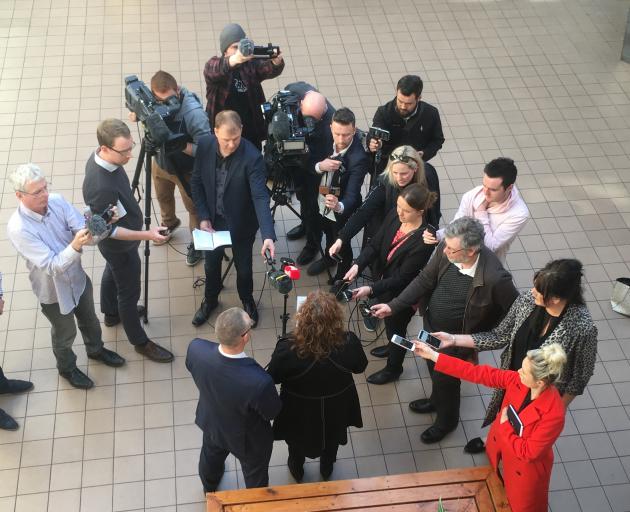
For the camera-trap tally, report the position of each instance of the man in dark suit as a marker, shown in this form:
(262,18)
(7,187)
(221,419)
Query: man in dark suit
(229,192)
(341,174)
(237,401)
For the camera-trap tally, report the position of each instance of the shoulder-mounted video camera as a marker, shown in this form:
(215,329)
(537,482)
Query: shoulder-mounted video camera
(153,114)
(286,136)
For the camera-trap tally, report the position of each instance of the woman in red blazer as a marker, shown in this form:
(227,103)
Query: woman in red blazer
(526,459)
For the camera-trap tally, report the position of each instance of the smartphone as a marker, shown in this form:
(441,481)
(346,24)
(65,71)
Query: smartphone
(403,342)
(428,339)
(337,258)
(431,229)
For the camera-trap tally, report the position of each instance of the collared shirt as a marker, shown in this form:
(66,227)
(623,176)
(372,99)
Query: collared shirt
(55,269)
(468,271)
(104,163)
(240,355)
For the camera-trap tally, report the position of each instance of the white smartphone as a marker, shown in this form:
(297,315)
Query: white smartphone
(428,339)
(403,342)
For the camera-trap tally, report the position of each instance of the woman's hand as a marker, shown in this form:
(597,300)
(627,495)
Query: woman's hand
(425,351)
(504,416)
(361,292)
(352,273)
(446,339)
(428,238)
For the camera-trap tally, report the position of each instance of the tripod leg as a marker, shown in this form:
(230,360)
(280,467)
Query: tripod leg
(147,225)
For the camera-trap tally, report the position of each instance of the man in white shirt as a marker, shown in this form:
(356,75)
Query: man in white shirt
(49,233)
(497,204)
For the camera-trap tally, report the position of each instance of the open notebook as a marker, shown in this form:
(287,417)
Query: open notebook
(205,241)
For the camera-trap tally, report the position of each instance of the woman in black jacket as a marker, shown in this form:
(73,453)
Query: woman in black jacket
(397,253)
(404,167)
(314,365)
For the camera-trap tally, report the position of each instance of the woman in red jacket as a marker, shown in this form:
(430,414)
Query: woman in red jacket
(523,461)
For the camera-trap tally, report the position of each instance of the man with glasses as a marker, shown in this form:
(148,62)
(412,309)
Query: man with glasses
(463,288)
(106,184)
(237,401)
(172,169)
(49,233)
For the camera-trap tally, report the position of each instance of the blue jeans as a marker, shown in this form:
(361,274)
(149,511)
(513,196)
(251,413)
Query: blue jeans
(64,329)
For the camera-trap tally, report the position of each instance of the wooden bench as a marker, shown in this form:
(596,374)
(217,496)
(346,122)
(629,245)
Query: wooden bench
(472,489)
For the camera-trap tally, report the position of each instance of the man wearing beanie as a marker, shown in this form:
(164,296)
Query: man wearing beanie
(233,83)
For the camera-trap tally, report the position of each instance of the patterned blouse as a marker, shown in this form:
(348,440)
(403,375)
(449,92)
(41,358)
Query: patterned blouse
(576,332)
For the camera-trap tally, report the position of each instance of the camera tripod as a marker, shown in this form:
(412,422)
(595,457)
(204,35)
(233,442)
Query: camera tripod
(281,196)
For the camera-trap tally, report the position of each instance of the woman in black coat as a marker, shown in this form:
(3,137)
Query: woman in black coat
(397,253)
(404,167)
(314,365)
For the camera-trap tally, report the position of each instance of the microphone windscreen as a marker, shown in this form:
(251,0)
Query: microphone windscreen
(280,126)
(246,47)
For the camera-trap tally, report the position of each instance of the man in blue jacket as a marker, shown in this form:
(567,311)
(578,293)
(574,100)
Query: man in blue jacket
(237,401)
(229,191)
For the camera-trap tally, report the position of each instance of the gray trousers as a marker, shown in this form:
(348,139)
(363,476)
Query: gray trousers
(63,329)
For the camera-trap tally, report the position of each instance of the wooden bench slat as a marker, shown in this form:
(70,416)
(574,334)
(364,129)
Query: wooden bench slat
(414,480)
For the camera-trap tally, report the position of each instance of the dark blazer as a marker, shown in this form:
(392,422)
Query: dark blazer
(423,130)
(246,197)
(319,399)
(391,277)
(488,300)
(237,398)
(356,163)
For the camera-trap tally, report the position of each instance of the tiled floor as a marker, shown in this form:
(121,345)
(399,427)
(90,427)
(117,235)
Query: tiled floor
(539,81)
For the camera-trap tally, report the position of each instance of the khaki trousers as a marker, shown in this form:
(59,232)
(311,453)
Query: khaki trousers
(164,186)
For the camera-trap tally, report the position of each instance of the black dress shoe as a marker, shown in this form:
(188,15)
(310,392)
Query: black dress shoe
(320,266)
(383,376)
(326,469)
(7,422)
(382,351)
(296,469)
(433,435)
(250,308)
(77,379)
(296,232)
(306,255)
(154,352)
(422,406)
(108,358)
(203,313)
(113,320)
(475,445)
(15,386)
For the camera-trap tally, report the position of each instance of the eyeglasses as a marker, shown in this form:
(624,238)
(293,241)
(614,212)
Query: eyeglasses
(451,251)
(124,151)
(37,193)
(246,332)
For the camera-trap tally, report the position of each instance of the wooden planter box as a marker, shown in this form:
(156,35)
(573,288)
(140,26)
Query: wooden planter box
(472,489)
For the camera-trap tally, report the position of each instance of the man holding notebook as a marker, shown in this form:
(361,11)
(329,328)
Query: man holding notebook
(229,192)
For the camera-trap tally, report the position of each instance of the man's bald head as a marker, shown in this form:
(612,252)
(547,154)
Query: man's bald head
(313,105)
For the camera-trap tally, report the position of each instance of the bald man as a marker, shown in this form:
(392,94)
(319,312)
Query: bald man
(316,113)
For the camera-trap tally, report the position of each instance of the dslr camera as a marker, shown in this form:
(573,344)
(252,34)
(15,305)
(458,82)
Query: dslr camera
(153,114)
(378,133)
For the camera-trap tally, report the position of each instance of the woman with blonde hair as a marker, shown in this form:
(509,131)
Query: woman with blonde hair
(531,417)
(314,365)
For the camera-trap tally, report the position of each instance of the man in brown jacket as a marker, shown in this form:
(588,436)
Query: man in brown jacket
(463,289)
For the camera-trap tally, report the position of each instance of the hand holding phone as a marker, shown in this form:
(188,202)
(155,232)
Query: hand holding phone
(403,342)
(428,339)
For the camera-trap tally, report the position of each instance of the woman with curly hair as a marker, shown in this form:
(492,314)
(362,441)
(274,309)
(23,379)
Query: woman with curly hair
(314,364)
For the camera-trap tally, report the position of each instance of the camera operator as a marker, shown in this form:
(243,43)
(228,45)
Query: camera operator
(106,183)
(410,122)
(341,172)
(229,190)
(175,169)
(233,83)
(316,114)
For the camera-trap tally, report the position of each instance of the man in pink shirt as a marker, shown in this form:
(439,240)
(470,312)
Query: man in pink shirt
(497,204)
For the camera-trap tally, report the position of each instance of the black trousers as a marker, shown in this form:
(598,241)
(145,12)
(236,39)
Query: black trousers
(445,394)
(397,324)
(327,457)
(120,292)
(242,256)
(331,230)
(307,190)
(212,465)
(4,382)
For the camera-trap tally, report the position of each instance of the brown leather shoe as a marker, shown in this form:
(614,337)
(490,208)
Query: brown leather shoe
(154,352)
